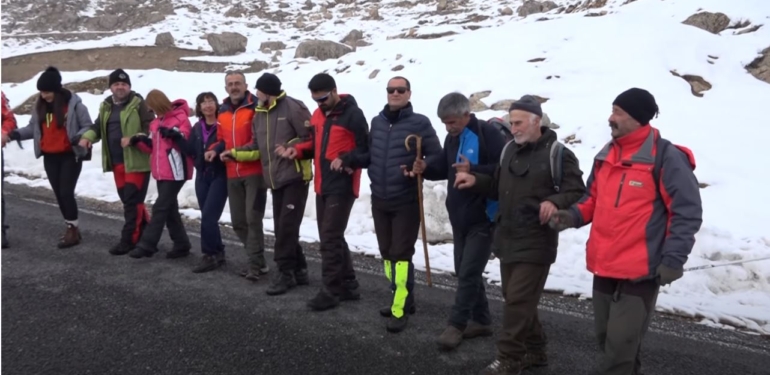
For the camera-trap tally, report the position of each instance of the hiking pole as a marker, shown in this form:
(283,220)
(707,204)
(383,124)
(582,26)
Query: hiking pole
(418,142)
(724,264)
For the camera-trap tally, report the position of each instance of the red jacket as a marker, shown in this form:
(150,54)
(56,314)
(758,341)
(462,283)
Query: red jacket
(636,224)
(9,120)
(235,130)
(344,131)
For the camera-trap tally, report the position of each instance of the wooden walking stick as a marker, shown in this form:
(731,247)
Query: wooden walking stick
(418,142)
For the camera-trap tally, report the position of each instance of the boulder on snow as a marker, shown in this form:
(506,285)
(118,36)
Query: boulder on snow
(273,45)
(714,23)
(227,43)
(697,84)
(534,7)
(760,67)
(321,49)
(164,40)
(476,104)
(352,37)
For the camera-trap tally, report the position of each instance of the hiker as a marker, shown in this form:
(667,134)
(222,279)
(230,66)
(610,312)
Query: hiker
(121,116)
(644,225)
(58,120)
(528,197)
(170,168)
(395,204)
(338,140)
(470,145)
(281,120)
(246,190)
(9,125)
(210,180)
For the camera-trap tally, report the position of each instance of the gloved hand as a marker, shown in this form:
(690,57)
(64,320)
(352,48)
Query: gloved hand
(666,275)
(562,220)
(171,133)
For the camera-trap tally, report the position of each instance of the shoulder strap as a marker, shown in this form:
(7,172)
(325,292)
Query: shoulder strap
(557,163)
(505,150)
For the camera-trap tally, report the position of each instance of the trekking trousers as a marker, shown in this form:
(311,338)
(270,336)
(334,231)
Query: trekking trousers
(165,213)
(288,210)
(522,332)
(63,171)
(248,198)
(333,213)
(622,314)
(471,254)
(211,191)
(132,190)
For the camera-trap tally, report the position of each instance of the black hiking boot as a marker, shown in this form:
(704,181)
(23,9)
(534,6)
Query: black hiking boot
(301,277)
(121,248)
(350,284)
(396,325)
(323,301)
(178,252)
(502,367)
(209,263)
(534,359)
(386,312)
(281,283)
(140,252)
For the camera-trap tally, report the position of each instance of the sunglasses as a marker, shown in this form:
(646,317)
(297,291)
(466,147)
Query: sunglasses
(323,98)
(400,90)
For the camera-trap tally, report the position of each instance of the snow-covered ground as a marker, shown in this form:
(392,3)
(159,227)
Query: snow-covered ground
(595,58)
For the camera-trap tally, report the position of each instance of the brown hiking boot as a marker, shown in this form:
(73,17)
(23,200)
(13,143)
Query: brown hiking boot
(502,367)
(534,359)
(70,238)
(450,338)
(253,273)
(477,330)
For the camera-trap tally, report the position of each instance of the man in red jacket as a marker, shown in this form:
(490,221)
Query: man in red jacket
(339,138)
(644,203)
(9,124)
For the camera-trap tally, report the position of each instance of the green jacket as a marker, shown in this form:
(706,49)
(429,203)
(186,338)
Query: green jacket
(135,118)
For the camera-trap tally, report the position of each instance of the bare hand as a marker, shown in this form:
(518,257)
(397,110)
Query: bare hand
(406,171)
(86,143)
(349,170)
(337,165)
(547,209)
(124,142)
(286,152)
(464,180)
(463,166)
(209,155)
(418,167)
(226,155)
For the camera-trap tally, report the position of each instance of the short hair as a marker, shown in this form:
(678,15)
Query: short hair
(322,82)
(158,102)
(235,72)
(408,84)
(200,99)
(453,104)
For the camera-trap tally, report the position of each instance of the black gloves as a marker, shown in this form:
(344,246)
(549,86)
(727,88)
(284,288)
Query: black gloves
(666,275)
(170,133)
(562,220)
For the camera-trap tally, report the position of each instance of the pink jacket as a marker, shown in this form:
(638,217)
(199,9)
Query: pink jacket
(167,162)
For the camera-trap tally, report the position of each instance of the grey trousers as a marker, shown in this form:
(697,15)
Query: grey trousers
(246,215)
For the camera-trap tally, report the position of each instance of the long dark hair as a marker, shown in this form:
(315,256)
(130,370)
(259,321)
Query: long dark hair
(61,100)
(199,100)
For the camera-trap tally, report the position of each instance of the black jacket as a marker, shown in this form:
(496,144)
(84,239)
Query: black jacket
(387,153)
(195,149)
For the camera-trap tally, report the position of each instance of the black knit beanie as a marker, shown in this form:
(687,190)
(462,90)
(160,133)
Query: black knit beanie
(529,104)
(638,103)
(50,80)
(119,75)
(269,84)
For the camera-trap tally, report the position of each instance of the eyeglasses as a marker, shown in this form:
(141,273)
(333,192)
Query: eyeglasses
(323,98)
(400,90)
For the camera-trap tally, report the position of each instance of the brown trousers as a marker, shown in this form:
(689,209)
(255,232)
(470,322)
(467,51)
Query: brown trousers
(522,332)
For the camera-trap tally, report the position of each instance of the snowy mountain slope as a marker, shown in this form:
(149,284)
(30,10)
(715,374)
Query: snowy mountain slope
(587,62)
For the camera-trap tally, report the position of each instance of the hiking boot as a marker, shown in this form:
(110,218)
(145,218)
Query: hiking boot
(281,283)
(179,252)
(70,238)
(140,252)
(350,284)
(253,273)
(534,359)
(450,338)
(385,312)
(502,367)
(121,248)
(208,263)
(396,325)
(301,277)
(474,330)
(323,301)
(349,295)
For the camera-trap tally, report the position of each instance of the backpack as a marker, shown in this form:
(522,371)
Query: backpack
(502,127)
(556,157)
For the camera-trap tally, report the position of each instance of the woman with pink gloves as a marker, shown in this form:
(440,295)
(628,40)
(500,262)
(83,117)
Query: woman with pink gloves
(171,168)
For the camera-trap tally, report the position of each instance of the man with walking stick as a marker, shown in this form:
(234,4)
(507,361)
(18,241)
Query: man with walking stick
(470,145)
(393,148)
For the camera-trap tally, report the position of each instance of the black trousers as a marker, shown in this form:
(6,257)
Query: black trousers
(333,213)
(63,171)
(165,213)
(288,210)
(471,254)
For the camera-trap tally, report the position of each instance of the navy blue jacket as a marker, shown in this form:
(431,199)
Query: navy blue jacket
(387,153)
(195,149)
(482,144)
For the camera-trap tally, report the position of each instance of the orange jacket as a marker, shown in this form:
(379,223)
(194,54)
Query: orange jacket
(9,120)
(235,131)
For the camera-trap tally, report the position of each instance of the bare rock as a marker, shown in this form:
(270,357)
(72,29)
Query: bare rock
(374,14)
(534,7)
(236,11)
(360,62)
(714,23)
(374,73)
(502,105)
(476,104)
(321,49)
(760,67)
(273,45)
(697,84)
(352,37)
(257,66)
(227,43)
(164,40)
(397,68)
(441,6)
(748,30)
(537,59)
(507,11)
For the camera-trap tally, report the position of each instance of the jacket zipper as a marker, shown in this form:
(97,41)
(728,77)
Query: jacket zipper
(269,158)
(385,160)
(620,189)
(235,116)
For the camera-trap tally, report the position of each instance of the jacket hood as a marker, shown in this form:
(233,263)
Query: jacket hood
(179,109)
(248,99)
(348,99)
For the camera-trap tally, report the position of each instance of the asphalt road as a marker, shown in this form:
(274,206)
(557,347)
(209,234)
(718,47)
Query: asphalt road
(83,311)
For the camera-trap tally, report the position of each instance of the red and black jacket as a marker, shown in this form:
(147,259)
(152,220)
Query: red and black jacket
(343,133)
